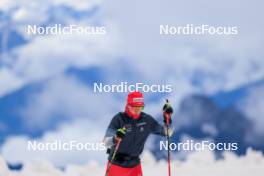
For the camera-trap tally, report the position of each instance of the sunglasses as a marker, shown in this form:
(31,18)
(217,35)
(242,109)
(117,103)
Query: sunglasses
(142,107)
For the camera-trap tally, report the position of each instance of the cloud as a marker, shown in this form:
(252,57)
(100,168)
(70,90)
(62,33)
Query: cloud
(219,63)
(48,56)
(9,81)
(82,131)
(252,106)
(57,53)
(6,5)
(198,163)
(45,56)
(66,98)
(224,62)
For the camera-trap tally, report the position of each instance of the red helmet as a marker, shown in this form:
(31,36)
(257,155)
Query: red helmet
(135,99)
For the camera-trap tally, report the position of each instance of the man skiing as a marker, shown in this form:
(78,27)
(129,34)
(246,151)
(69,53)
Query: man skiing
(127,133)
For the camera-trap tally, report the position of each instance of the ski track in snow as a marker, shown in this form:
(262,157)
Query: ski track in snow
(198,163)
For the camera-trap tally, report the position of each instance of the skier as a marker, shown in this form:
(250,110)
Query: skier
(127,133)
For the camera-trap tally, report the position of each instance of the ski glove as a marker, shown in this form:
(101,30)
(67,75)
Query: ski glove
(120,133)
(167,108)
(167,111)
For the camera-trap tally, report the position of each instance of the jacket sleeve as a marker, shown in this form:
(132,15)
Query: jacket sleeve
(156,128)
(111,131)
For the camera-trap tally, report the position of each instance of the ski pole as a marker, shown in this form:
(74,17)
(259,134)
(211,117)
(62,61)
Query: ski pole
(168,138)
(113,156)
(168,117)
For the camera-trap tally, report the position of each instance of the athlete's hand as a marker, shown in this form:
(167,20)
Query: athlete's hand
(167,111)
(121,132)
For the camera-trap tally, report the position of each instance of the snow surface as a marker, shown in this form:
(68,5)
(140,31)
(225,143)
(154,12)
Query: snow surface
(198,163)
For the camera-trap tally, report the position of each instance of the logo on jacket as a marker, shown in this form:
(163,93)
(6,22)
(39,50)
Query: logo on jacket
(141,129)
(142,123)
(128,127)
